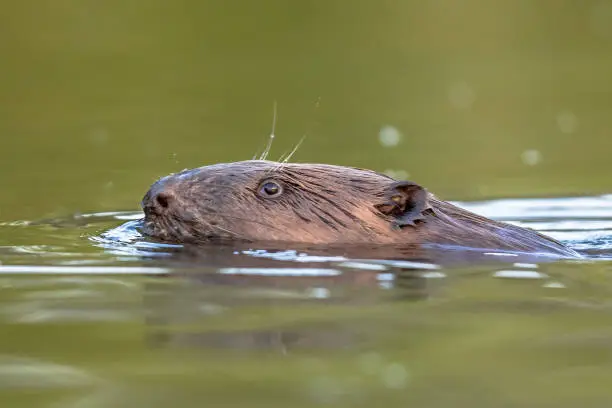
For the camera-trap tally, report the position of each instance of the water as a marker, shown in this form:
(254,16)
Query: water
(504,106)
(104,317)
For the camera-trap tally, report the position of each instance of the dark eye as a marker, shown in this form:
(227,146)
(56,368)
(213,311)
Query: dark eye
(270,189)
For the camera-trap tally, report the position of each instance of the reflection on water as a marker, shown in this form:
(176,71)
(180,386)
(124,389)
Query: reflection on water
(127,321)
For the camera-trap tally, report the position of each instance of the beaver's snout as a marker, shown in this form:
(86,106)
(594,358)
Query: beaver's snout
(158,203)
(160,199)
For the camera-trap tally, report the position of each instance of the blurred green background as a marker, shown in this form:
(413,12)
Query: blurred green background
(473,99)
(489,98)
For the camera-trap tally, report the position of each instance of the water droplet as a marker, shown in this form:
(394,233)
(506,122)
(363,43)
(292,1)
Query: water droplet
(461,95)
(567,122)
(531,157)
(389,136)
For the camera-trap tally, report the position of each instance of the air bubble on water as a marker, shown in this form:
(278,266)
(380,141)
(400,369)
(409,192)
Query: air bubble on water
(567,122)
(461,95)
(370,363)
(600,19)
(531,157)
(395,376)
(389,136)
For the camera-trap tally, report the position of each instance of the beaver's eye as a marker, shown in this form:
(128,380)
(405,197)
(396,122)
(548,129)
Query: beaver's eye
(270,189)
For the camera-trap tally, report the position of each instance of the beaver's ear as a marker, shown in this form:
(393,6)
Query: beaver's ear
(405,202)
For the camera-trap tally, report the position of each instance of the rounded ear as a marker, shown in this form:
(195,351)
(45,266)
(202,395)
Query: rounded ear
(405,202)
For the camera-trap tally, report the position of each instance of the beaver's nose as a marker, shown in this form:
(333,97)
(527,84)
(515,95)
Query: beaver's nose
(158,200)
(163,200)
(158,203)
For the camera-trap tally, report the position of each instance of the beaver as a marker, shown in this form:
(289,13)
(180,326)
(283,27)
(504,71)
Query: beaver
(267,201)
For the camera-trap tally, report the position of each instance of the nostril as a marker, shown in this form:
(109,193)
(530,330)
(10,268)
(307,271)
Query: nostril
(163,200)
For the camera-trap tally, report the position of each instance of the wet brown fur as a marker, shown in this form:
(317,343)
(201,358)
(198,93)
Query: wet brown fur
(321,204)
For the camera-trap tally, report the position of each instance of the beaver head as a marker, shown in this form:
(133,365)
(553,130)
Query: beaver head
(260,200)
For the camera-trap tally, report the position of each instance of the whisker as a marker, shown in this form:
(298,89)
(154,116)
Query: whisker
(273,169)
(266,151)
(282,157)
(277,167)
(282,161)
(297,146)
